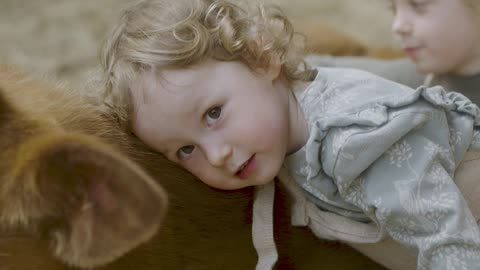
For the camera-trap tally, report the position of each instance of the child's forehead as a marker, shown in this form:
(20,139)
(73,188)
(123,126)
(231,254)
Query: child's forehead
(179,77)
(183,76)
(148,84)
(189,82)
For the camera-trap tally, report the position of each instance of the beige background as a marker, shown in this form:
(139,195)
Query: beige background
(62,37)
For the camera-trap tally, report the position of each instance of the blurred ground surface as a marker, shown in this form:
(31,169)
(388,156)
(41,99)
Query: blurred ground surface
(62,37)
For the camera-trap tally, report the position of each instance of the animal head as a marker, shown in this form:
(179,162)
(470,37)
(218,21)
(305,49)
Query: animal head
(73,191)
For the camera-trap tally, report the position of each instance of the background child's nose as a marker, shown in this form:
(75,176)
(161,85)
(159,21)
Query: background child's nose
(401,24)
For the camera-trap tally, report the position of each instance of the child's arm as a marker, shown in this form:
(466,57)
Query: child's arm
(391,152)
(423,210)
(409,190)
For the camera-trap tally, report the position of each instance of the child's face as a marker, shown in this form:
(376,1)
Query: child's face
(440,36)
(219,120)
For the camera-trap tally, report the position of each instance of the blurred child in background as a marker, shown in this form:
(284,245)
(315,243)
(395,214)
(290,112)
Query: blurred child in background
(441,39)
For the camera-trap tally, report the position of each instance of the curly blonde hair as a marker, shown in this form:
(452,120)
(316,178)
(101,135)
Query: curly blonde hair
(158,34)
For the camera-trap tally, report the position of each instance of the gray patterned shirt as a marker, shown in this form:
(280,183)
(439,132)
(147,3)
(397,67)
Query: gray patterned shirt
(382,152)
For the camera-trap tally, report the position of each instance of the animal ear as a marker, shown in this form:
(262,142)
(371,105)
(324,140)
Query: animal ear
(90,202)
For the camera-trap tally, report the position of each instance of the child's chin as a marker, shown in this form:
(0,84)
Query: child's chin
(425,69)
(427,66)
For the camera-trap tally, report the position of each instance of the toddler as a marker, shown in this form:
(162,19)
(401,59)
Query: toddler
(441,39)
(223,91)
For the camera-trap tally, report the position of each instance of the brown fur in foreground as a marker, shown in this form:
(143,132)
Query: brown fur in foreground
(61,182)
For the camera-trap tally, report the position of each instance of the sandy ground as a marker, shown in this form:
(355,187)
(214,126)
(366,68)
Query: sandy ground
(63,37)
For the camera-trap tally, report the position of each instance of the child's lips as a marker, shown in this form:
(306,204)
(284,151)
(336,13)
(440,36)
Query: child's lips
(247,168)
(411,51)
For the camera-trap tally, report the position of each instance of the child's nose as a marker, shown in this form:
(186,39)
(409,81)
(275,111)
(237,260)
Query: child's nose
(218,154)
(401,24)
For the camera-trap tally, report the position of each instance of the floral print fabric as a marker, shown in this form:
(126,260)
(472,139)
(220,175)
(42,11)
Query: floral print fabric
(384,153)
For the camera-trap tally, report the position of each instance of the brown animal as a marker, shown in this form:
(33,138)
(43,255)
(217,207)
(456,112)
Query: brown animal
(71,195)
(85,200)
(322,38)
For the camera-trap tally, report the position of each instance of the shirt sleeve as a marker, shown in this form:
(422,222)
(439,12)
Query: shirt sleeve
(414,198)
(392,152)
(409,190)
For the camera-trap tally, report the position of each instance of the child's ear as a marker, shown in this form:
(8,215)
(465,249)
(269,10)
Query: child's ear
(91,203)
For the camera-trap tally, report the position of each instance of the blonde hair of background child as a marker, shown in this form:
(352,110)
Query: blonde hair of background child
(158,34)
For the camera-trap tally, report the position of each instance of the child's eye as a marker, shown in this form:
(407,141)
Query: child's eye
(184,152)
(213,114)
(419,6)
